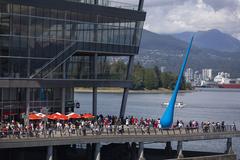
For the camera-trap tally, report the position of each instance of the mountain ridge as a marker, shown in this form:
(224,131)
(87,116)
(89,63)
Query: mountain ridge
(212,39)
(166,50)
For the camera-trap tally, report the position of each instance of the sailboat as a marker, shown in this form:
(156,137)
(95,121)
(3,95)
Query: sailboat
(166,120)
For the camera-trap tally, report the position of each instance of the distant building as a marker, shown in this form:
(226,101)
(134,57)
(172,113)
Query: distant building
(197,78)
(189,75)
(206,74)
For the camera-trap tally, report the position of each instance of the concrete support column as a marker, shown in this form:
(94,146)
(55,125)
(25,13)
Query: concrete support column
(229,149)
(126,90)
(50,153)
(141,151)
(168,148)
(140,5)
(124,102)
(27,105)
(97,151)
(94,103)
(130,67)
(63,100)
(94,72)
(179,149)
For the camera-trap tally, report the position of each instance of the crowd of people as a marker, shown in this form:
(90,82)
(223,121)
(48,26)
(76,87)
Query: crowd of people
(108,124)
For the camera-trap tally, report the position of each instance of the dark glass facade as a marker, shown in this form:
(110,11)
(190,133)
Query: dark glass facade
(13,101)
(57,42)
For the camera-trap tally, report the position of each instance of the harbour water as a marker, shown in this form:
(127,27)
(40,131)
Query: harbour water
(214,105)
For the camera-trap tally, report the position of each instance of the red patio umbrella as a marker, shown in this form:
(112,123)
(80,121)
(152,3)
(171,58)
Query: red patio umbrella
(57,116)
(41,115)
(33,117)
(73,116)
(87,116)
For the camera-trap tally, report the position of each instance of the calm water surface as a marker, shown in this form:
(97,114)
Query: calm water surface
(208,105)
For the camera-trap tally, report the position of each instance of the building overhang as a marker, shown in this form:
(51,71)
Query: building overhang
(62,83)
(129,14)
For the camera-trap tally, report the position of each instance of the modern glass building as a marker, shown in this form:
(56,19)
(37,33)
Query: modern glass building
(48,47)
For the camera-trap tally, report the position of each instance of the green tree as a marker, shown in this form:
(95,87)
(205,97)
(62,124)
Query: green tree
(183,84)
(150,79)
(158,74)
(118,70)
(137,77)
(168,80)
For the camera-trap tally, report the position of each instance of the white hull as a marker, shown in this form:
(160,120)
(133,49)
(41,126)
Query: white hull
(177,104)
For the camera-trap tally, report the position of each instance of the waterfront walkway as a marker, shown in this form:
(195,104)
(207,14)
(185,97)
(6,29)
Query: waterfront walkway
(129,133)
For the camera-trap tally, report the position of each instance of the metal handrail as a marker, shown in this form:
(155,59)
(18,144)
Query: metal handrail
(63,52)
(111,131)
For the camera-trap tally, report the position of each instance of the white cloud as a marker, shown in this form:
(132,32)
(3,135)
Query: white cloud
(173,16)
(220,4)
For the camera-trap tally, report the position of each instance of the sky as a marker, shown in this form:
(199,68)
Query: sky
(174,16)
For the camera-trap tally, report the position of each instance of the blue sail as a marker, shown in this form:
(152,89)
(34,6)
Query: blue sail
(167,118)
